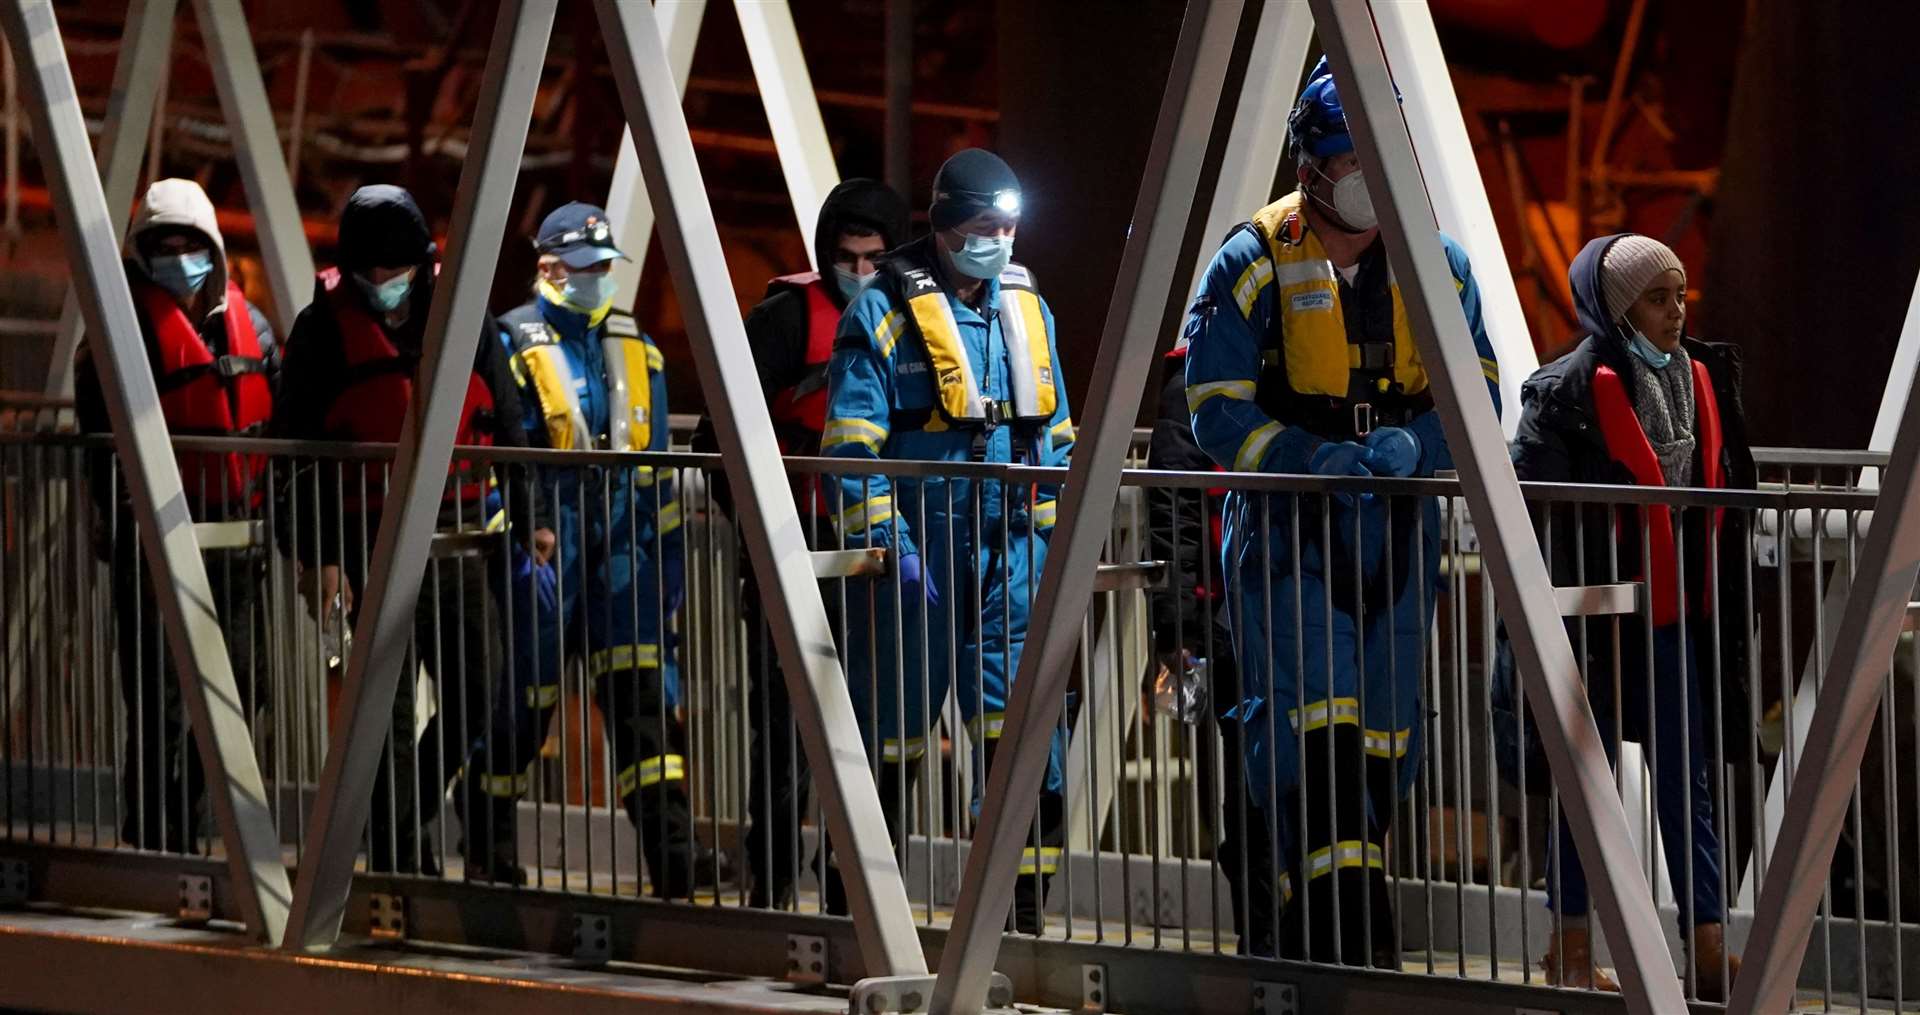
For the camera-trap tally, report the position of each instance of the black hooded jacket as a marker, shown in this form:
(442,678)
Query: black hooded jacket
(381,226)
(1560,441)
(777,327)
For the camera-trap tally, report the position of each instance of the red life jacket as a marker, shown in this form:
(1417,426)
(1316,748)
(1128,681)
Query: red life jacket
(370,406)
(1627,443)
(224,396)
(802,406)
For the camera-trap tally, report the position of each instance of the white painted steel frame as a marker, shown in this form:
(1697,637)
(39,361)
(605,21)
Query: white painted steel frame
(194,637)
(1512,556)
(145,43)
(768,520)
(786,90)
(1840,727)
(629,207)
(256,148)
(399,559)
(1131,333)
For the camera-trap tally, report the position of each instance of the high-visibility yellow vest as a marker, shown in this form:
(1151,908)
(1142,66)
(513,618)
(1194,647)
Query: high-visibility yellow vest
(630,360)
(1030,366)
(1309,336)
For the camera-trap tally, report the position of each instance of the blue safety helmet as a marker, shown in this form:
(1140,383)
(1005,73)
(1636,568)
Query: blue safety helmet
(1318,124)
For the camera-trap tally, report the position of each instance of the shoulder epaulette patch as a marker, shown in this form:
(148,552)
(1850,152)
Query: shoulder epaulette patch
(620,325)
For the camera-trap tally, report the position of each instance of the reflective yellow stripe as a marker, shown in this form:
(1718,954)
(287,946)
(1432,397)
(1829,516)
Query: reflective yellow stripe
(1490,369)
(623,657)
(908,750)
(1045,860)
(850,430)
(1064,428)
(1315,714)
(655,361)
(988,725)
(1343,855)
(643,476)
(1197,394)
(506,786)
(1382,744)
(669,517)
(1044,512)
(888,332)
(653,771)
(867,514)
(543,695)
(1246,290)
(1030,361)
(1253,450)
(498,522)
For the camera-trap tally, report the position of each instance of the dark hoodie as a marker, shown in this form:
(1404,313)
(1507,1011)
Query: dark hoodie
(777,327)
(381,227)
(1559,441)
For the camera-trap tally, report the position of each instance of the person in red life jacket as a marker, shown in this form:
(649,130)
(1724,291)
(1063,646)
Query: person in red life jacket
(355,355)
(1191,631)
(1638,403)
(215,364)
(791,333)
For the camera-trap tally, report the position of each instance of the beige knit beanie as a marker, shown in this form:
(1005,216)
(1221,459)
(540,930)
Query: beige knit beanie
(1629,266)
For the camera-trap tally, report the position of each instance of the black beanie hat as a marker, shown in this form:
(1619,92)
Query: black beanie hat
(966,185)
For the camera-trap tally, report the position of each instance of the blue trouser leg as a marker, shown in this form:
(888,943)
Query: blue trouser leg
(1676,751)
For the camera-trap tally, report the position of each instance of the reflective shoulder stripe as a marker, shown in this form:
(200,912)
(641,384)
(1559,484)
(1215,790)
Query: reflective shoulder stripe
(1030,366)
(1197,394)
(1291,273)
(1253,450)
(887,333)
(1247,288)
(852,430)
(559,404)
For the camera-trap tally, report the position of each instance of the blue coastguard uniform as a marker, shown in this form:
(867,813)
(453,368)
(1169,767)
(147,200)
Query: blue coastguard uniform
(1290,360)
(982,544)
(592,381)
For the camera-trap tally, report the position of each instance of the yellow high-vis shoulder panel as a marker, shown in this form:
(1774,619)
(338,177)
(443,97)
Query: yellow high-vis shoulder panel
(1307,313)
(630,363)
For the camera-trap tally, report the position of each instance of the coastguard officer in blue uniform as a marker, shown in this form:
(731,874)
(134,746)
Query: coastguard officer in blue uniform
(1301,361)
(601,576)
(949,356)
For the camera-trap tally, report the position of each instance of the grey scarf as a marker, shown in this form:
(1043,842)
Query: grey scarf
(1663,400)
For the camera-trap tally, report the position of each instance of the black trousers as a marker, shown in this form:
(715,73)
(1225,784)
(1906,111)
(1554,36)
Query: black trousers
(162,784)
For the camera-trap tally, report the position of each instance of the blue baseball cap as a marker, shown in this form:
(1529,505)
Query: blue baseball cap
(578,234)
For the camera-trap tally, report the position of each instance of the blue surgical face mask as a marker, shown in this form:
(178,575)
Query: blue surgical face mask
(851,282)
(181,274)
(589,293)
(984,256)
(389,295)
(1646,352)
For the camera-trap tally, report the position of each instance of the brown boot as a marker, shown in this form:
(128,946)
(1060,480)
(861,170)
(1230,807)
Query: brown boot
(1709,947)
(1569,962)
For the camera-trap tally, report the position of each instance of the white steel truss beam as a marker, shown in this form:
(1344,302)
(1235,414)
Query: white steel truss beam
(181,592)
(629,206)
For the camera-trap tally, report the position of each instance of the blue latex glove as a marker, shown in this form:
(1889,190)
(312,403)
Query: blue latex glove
(546,582)
(1396,452)
(913,581)
(1342,459)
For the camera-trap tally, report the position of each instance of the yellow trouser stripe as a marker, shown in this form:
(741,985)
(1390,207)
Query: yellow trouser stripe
(669,517)
(1044,513)
(1315,715)
(1382,744)
(651,772)
(1490,369)
(1343,855)
(1045,860)
(543,695)
(623,657)
(988,725)
(505,786)
(1197,394)
(1246,290)
(1254,449)
(903,750)
(867,514)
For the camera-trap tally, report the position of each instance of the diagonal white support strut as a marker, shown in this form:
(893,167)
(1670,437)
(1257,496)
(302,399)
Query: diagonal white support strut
(629,207)
(1546,660)
(199,650)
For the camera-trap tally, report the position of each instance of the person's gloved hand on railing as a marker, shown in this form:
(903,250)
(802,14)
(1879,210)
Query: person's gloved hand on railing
(1396,452)
(1344,458)
(913,581)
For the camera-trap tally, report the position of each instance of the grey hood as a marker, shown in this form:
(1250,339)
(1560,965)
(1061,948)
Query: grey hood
(180,203)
